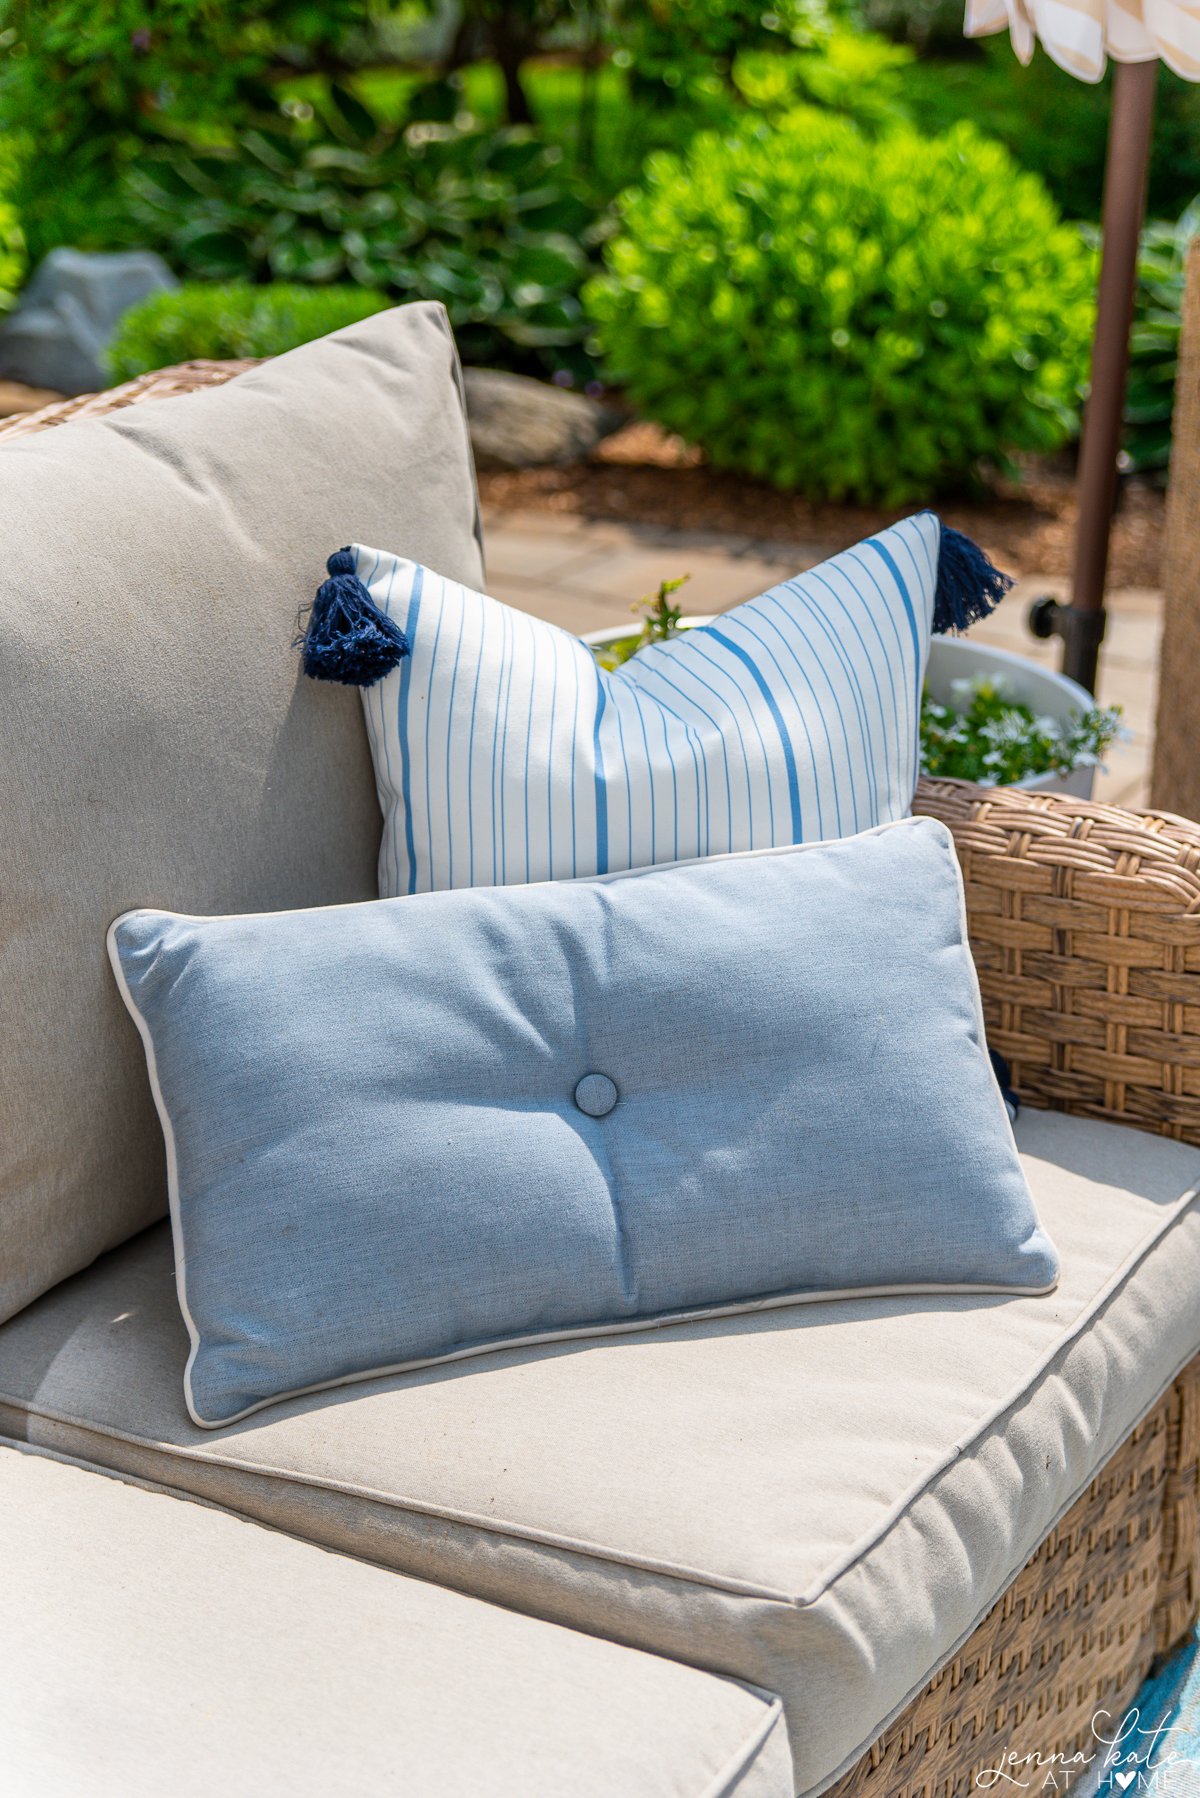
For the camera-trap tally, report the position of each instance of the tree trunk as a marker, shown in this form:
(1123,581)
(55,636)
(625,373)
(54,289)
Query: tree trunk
(510,47)
(589,75)
(462,45)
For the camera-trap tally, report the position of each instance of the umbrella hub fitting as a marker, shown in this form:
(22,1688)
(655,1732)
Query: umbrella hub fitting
(1082,633)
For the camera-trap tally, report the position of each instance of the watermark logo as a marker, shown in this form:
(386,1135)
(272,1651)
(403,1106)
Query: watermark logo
(1137,1753)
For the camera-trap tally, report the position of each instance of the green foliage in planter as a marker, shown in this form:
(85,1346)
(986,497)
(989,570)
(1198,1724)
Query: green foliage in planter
(12,241)
(487,221)
(1154,344)
(216,321)
(994,739)
(661,621)
(851,316)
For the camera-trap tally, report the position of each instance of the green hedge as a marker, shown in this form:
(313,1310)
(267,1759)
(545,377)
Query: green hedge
(487,222)
(852,316)
(12,241)
(1154,343)
(1056,125)
(225,320)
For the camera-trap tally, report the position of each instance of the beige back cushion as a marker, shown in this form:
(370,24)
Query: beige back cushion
(158,745)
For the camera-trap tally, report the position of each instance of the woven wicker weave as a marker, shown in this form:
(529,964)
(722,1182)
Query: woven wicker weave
(1077,1631)
(1085,923)
(161,384)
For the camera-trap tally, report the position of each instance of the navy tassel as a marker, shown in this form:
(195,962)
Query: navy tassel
(1003,1075)
(968,586)
(348,638)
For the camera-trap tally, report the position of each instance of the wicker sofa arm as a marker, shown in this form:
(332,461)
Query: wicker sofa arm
(161,384)
(1085,922)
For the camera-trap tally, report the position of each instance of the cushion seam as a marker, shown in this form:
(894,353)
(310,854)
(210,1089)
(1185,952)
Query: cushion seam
(1099,1303)
(744,1757)
(594,1551)
(420,1508)
(914,1691)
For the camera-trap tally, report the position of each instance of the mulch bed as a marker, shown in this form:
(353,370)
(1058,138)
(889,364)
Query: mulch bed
(641,475)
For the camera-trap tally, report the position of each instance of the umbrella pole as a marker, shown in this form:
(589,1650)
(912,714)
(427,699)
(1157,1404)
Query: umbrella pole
(1081,624)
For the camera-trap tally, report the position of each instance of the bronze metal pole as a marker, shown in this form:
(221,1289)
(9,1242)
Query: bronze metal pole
(1125,174)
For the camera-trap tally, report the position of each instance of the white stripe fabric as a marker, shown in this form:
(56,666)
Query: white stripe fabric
(503,754)
(1081,34)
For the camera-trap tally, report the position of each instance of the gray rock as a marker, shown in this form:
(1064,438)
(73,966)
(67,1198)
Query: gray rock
(67,315)
(518,423)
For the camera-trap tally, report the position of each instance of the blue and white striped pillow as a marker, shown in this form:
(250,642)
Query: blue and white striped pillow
(503,754)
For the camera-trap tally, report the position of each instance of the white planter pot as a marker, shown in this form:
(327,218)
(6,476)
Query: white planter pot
(1046,692)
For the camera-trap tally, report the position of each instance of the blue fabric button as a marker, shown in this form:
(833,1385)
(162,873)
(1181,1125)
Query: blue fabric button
(596,1095)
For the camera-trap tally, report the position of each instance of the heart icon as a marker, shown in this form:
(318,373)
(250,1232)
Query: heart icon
(1125,1780)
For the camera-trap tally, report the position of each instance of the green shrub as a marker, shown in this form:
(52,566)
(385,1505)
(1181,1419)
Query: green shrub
(846,315)
(1056,125)
(90,81)
(857,73)
(926,24)
(1154,343)
(487,221)
(12,241)
(229,320)
(677,45)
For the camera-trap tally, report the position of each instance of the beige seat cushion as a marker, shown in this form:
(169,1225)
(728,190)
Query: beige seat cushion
(158,1648)
(158,745)
(822,1501)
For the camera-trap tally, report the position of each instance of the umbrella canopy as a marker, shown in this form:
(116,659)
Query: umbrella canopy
(1080,35)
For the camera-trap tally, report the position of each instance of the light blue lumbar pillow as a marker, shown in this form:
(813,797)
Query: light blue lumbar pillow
(411,1130)
(503,754)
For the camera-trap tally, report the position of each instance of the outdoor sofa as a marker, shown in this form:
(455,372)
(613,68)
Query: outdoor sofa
(869,1545)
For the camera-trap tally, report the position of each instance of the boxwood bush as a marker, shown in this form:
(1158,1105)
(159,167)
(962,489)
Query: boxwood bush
(221,320)
(12,241)
(851,316)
